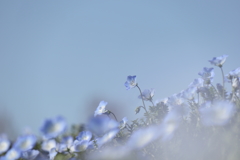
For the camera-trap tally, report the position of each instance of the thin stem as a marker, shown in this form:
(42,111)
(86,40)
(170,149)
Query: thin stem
(152,102)
(223,83)
(142,99)
(113,115)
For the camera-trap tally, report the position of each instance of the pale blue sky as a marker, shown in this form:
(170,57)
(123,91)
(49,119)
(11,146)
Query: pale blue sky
(64,57)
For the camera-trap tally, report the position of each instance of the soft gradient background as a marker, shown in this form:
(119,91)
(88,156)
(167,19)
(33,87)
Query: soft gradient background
(64,57)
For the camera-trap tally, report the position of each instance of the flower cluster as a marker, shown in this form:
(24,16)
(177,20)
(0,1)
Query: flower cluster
(202,119)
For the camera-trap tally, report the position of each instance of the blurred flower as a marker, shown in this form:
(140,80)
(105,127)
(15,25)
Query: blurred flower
(30,154)
(218,114)
(52,154)
(68,141)
(12,154)
(25,142)
(175,100)
(143,137)
(235,83)
(52,128)
(101,108)
(207,75)
(4,144)
(189,92)
(131,82)
(84,135)
(218,61)
(107,137)
(170,123)
(101,125)
(123,123)
(197,83)
(79,146)
(235,72)
(48,145)
(147,94)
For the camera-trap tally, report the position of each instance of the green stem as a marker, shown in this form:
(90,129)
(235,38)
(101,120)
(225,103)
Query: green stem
(142,99)
(113,115)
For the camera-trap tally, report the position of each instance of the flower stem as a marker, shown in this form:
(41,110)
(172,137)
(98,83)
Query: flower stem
(223,83)
(113,115)
(142,99)
(152,102)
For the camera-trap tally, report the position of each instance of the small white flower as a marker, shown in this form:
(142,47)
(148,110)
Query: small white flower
(218,61)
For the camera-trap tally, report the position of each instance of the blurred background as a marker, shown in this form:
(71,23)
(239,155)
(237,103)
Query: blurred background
(64,57)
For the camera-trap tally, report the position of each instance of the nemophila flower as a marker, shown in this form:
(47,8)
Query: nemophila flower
(68,141)
(101,125)
(25,142)
(189,92)
(79,146)
(12,154)
(48,145)
(101,108)
(107,137)
(143,137)
(30,154)
(197,83)
(218,61)
(84,135)
(52,153)
(131,82)
(147,94)
(52,128)
(235,72)
(170,123)
(218,114)
(174,101)
(4,144)
(207,75)
(123,122)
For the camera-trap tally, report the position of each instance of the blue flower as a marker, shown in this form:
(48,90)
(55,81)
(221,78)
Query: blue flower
(101,125)
(218,114)
(207,75)
(25,142)
(12,154)
(147,94)
(52,128)
(52,153)
(170,123)
(131,82)
(30,154)
(142,137)
(107,137)
(101,108)
(4,144)
(48,145)
(218,61)
(84,135)
(79,146)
